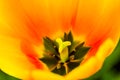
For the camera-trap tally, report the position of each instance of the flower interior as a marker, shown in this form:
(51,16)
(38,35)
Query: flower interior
(63,54)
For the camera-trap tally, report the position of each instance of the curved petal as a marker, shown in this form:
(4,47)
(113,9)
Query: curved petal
(13,61)
(44,75)
(93,64)
(97,20)
(96,23)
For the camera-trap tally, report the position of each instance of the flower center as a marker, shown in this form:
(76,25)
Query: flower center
(63,54)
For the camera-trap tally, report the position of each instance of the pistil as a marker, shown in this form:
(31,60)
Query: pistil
(63,49)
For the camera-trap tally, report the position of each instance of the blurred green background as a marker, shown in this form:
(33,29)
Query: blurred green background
(109,71)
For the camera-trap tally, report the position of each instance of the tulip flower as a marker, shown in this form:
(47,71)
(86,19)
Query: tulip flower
(57,39)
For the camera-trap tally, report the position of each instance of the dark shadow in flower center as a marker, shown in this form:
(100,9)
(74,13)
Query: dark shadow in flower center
(73,54)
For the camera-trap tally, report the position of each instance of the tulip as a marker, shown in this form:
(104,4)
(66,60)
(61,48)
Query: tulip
(25,23)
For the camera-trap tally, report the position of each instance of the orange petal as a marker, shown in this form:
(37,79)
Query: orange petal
(13,61)
(96,21)
(13,21)
(49,16)
(12,29)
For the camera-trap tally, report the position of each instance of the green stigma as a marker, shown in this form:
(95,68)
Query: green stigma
(63,54)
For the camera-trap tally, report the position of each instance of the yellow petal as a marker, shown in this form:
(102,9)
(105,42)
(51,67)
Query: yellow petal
(13,61)
(44,75)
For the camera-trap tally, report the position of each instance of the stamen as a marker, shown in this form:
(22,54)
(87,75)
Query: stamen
(66,67)
(58,66)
